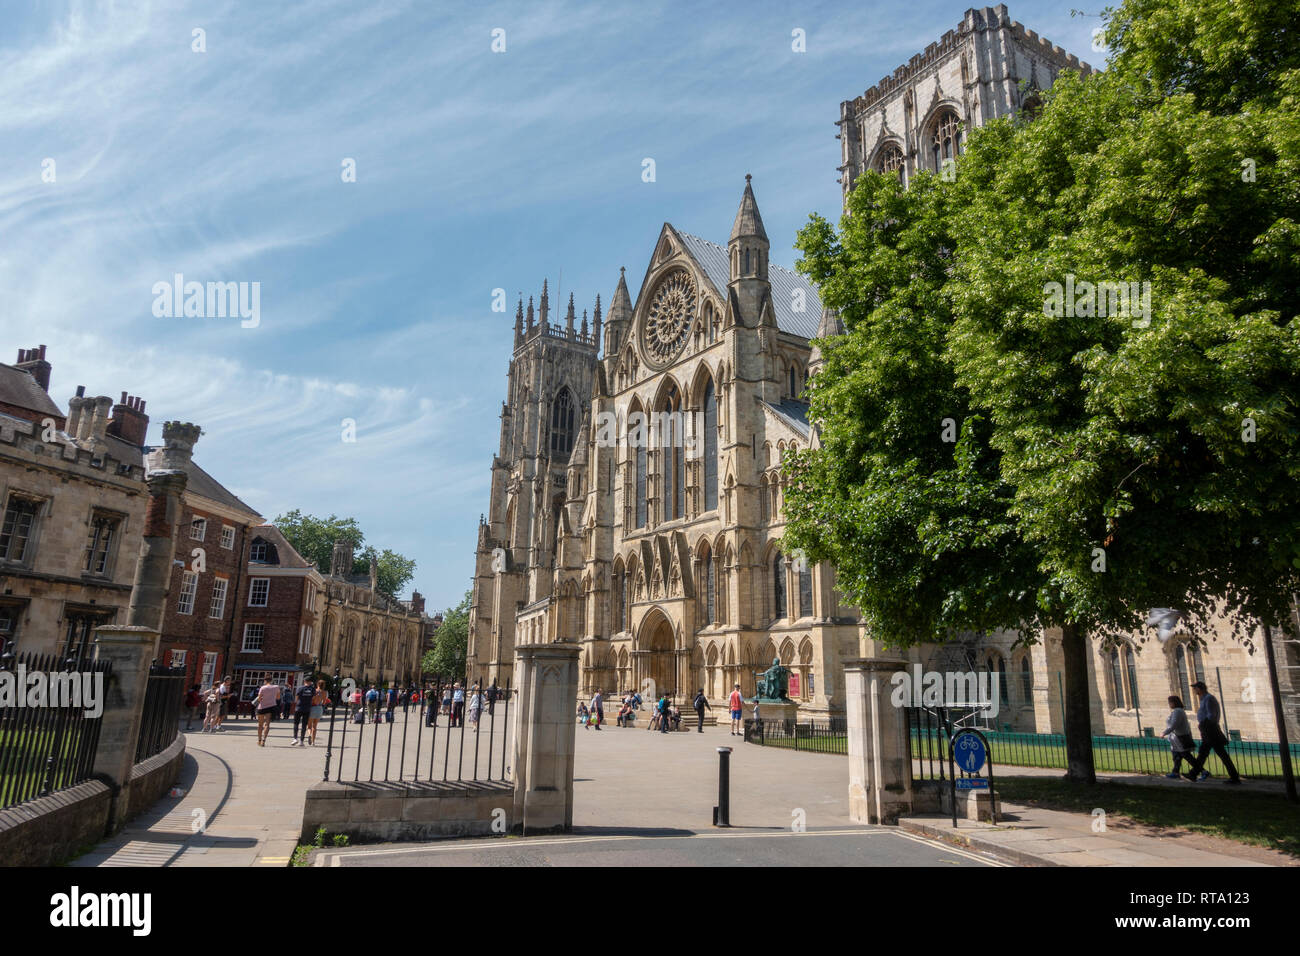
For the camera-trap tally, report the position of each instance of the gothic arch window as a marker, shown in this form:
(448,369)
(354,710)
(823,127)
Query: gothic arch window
(1026,680)
(1190,667)
(995,663)
(673,455)
(891,160)
(619,596)
(764,510)
(945,142)
(710,591)
(637,437)
(710,448)
(562,425)
(1123,676)
(794,391)
(778,586)
(805,590)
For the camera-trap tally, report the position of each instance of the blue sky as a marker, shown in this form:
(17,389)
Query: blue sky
(474,171)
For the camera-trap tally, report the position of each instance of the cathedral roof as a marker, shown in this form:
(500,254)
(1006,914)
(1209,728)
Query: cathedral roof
(714,261)
(793,413)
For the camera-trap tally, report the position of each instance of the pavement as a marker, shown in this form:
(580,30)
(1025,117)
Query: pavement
(638,796)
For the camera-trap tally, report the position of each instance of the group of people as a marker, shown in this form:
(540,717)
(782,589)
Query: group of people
(456,702)
(664,715)
(1178,732)
(212,702)
(306,706)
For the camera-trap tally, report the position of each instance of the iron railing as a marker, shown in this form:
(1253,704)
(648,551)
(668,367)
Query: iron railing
(160,718)
(371,742)
(48,743)
(823,736)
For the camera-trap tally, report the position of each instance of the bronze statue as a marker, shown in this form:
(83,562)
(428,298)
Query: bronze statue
(773,683)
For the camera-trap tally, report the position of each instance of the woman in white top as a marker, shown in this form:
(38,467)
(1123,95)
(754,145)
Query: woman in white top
(1179,734)
(475,707)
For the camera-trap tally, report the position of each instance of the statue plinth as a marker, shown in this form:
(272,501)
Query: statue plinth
(777,710)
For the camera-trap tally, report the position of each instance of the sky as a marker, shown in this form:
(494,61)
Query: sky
(133,148)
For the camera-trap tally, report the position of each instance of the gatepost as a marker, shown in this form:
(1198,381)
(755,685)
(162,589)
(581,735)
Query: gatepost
(545,736)
(880,766)
(130,649)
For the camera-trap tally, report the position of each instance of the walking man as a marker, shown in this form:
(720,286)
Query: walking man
(302,714)
(701,702)
(1212,738)
(372,704)
(598,708)
(664,716)
(457,705)
(737,707)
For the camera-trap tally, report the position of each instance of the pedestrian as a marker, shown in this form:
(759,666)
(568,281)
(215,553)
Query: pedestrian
(736,705)
(584,715)
(430,709)
(625,715)
(598,708)
(372,704)
(302,712)
(665,718)
(458,705)
(193,701)
(446,700)
(1179,734)
(406,700)
(264,704)
(319,702)
(492,694)
(212,711)
(475,708)
(1208,714)
(357,717)
(223,694)
(392,702)
(701,702)
(286,701)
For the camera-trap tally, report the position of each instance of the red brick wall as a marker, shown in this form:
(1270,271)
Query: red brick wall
(283,616)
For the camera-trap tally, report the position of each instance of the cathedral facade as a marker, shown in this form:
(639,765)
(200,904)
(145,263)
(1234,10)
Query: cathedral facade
(637,492)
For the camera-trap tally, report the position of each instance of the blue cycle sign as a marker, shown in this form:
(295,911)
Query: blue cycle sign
(968,751)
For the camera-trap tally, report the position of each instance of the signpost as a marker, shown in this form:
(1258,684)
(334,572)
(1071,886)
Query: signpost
(968,752)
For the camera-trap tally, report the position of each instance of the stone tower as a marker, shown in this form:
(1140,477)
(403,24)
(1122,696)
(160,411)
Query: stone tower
(549,386)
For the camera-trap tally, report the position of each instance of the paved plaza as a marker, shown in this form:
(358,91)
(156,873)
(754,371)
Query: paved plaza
(638,796)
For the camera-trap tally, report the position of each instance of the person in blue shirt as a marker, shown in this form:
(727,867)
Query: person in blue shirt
(1212,738)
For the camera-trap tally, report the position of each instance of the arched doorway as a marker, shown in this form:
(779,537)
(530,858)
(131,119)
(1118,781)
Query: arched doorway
(659,662)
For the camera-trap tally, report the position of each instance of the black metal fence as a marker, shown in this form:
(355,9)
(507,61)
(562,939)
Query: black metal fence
(160,719)
(823,736)
(48,739)
(929,730)
(466,738)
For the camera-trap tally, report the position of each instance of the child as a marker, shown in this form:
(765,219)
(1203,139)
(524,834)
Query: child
(584,717)
(1179,734)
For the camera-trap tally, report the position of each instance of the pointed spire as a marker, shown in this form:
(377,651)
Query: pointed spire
(830,324)
(595,327)
(569,317)
(621,309)
(584,323)
(544,307)
(530,313)
(519,321)
(748,221)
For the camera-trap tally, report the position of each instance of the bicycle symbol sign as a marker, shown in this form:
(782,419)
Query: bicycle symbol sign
(968,752)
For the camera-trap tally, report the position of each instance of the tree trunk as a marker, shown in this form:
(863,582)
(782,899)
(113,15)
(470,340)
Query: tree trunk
(1078,706)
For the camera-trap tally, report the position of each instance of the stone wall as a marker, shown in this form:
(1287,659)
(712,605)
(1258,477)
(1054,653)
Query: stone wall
(387,812)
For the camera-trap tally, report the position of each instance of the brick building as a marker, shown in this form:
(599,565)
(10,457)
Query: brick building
(73,493)
(212,543)
(277,613)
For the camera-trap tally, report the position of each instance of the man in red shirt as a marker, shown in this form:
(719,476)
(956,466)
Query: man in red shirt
(736,705)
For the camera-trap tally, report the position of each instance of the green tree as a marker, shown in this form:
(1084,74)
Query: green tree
(1123,458)
(451,642)
(314,539)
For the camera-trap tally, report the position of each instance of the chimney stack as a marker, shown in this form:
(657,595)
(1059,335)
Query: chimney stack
(32,361)
(417,602)
(129,422)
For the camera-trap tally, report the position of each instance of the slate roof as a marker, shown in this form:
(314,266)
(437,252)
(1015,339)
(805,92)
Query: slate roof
(201,483)
(289,558)
(714,261)
(19,389)
(793,413)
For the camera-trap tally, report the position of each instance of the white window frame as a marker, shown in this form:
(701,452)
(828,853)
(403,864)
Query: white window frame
(248,632)
(304,639)
(252,590)
(200,525)
(228,537)
(209,670)
(177,659)
(189,589)
(217,607)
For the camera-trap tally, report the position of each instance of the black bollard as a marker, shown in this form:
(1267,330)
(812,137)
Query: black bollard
(722,812)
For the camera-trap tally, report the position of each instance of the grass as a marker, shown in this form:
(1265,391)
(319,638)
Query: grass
(302,854)
(1258,819)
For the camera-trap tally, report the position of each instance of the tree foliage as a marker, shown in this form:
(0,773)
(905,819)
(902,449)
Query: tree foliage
(314,539)
(451,642)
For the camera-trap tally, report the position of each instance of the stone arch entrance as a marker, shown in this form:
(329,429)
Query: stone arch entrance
(659,659)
